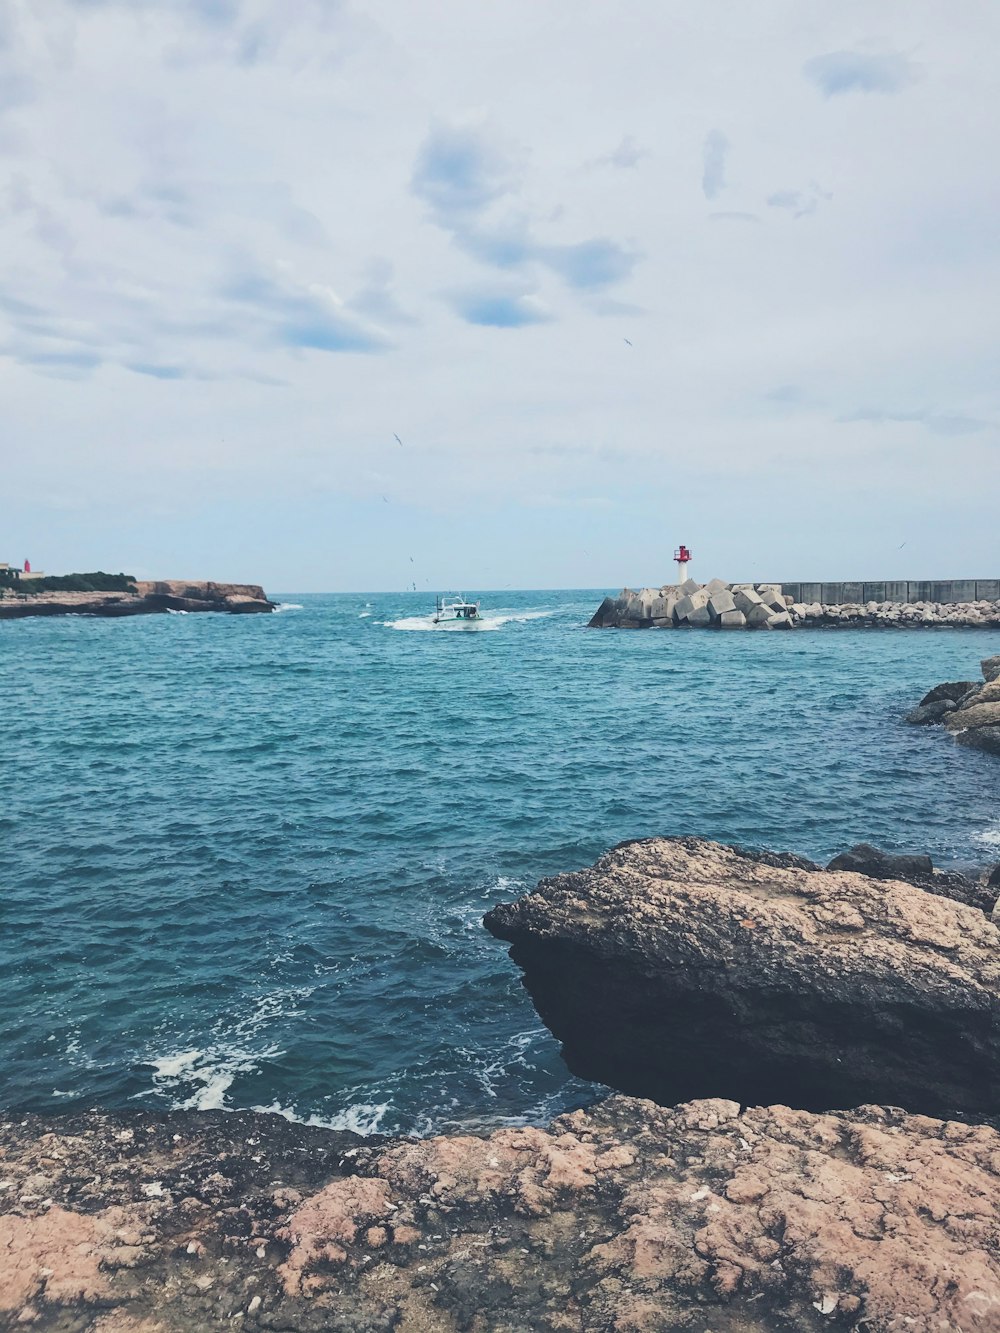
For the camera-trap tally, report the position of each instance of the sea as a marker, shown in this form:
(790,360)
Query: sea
(245,859)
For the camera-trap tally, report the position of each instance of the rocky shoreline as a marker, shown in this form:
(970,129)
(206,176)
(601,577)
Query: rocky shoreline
(627,1217)
(697,974)
(151,597)
(969,709)
(729,606)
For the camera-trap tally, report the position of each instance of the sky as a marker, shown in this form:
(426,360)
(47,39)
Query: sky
(343,296)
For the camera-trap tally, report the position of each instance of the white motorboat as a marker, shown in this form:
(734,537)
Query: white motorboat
(457,611)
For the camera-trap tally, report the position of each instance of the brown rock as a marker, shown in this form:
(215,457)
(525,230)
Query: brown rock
(974,715)
(642,1220)
(678,967)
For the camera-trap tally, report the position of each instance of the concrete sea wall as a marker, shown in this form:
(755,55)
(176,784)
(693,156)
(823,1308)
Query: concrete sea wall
(946,591)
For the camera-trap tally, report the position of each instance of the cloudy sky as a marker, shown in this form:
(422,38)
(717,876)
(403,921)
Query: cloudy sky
(617,276)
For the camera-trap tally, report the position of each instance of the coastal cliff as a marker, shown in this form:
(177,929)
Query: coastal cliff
(150,597)
(625,1218)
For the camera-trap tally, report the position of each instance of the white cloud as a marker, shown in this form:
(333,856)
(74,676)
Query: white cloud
(244,243)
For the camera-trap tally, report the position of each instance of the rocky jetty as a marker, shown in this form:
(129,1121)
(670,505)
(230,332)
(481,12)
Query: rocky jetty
(969,709)
(720,605)
(149,598)
(625,1218)
(677,968)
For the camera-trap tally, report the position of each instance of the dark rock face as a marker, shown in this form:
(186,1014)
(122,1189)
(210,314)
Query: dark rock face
(940,700)
(868,860)
(676,968)
(626,1218)
(971,710)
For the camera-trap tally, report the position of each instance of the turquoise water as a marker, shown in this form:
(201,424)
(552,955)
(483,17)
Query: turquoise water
(246,858)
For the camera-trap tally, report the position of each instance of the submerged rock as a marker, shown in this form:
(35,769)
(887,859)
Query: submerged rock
(620,1219)
(678,968)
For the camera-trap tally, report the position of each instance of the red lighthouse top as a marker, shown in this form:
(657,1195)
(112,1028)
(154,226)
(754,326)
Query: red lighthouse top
(682,555)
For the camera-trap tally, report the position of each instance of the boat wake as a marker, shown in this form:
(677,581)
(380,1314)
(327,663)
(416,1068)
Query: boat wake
(490,621)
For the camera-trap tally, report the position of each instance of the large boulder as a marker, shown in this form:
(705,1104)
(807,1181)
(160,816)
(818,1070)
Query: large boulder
(686,606)
(759,616)
(606,614)
(991,668)
(865,859)
(745,599)
(925,715)
(678,967)
(732,620)
(973,715)
(720,602)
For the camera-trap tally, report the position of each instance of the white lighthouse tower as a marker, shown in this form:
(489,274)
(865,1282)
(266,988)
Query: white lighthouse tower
(682,556)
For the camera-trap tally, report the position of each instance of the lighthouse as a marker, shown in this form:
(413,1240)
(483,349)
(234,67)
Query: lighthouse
(682,556)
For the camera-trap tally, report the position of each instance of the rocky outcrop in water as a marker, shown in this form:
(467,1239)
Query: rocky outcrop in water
(626,1218)
(149,598)
(720,605)
(679,968)
(968,709)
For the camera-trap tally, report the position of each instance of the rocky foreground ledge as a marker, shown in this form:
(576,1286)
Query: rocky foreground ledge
(721,605)
(150,597)
(969,709)
(677,968)
(627,1218)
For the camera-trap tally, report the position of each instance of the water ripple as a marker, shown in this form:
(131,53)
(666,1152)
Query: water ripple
(247,858)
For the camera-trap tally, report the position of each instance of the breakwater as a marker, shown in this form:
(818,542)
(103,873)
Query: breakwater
(720,605)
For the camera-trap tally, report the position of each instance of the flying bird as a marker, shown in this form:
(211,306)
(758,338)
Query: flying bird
(901,545)
(411,559)
(628,343)
(397,439)
(385,498)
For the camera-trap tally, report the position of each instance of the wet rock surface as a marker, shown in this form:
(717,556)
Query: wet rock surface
(679,968)
(150,597)
(626,1217)
(968,709)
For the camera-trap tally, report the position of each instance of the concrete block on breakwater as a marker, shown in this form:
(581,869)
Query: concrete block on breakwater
(892,604)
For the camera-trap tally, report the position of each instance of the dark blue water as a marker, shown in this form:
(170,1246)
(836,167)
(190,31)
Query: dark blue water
(245,858)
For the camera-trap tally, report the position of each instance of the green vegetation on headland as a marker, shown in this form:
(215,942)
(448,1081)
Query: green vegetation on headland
(97,581)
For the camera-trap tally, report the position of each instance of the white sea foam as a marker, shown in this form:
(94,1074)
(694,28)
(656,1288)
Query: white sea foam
(207,1075)
(288,606)
(198,1078)
(360,1117)
(989,837)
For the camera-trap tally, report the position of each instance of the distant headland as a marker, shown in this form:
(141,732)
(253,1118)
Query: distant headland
(23,593)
